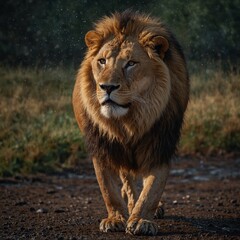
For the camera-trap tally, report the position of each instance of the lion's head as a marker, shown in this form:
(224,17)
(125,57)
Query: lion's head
(132,71)
(125,76)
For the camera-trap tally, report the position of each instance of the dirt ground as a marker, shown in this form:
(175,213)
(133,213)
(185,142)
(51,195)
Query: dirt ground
(202,201)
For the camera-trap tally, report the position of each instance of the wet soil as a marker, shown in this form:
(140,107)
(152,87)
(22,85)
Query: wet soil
(201,201)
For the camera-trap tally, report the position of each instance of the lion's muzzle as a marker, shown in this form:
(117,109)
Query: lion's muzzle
(110,104)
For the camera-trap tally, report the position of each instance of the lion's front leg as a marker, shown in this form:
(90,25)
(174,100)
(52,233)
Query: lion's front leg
(141,220)
(116,208)
(129,192)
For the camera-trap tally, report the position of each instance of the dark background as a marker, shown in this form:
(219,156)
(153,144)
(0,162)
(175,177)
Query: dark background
(40,33)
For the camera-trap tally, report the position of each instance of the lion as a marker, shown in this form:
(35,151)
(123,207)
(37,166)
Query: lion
(129,99)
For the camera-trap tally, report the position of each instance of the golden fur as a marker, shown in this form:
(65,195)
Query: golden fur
(129,99)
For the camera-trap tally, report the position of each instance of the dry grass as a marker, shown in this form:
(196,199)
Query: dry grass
(38,131)
(212,124)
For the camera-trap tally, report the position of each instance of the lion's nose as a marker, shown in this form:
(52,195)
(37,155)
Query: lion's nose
(109,88)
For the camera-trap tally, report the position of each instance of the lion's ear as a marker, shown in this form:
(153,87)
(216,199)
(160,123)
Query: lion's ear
(160,45)
(156,43)
(92,38)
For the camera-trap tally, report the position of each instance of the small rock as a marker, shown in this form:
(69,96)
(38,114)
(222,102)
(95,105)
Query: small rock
(72,238)
(210,225)
(32,209)
(175,202)
(88,201)
(51,191)
(20,203)
(42,210)
(59,210)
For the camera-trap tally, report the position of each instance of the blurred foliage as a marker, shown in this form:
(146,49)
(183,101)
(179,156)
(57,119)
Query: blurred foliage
(212,120)
(37,33)
(38,131)
(207,29)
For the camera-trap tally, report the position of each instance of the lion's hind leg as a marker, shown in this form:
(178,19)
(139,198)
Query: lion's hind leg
(159,213)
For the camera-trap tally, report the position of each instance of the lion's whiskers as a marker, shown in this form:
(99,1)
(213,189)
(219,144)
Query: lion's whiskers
(138,100)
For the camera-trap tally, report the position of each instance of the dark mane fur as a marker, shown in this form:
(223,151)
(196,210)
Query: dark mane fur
(160,143)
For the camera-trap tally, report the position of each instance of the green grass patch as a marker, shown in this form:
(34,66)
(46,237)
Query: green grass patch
(38,131)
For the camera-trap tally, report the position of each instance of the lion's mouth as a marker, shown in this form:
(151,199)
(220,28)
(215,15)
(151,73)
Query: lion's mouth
(112,103)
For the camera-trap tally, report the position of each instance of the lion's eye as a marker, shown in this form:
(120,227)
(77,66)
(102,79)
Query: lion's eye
(102,61)
(130,64)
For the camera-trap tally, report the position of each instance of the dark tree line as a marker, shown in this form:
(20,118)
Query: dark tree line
(34,32)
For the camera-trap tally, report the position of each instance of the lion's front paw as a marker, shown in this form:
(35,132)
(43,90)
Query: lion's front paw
(139,226)
(112,225)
